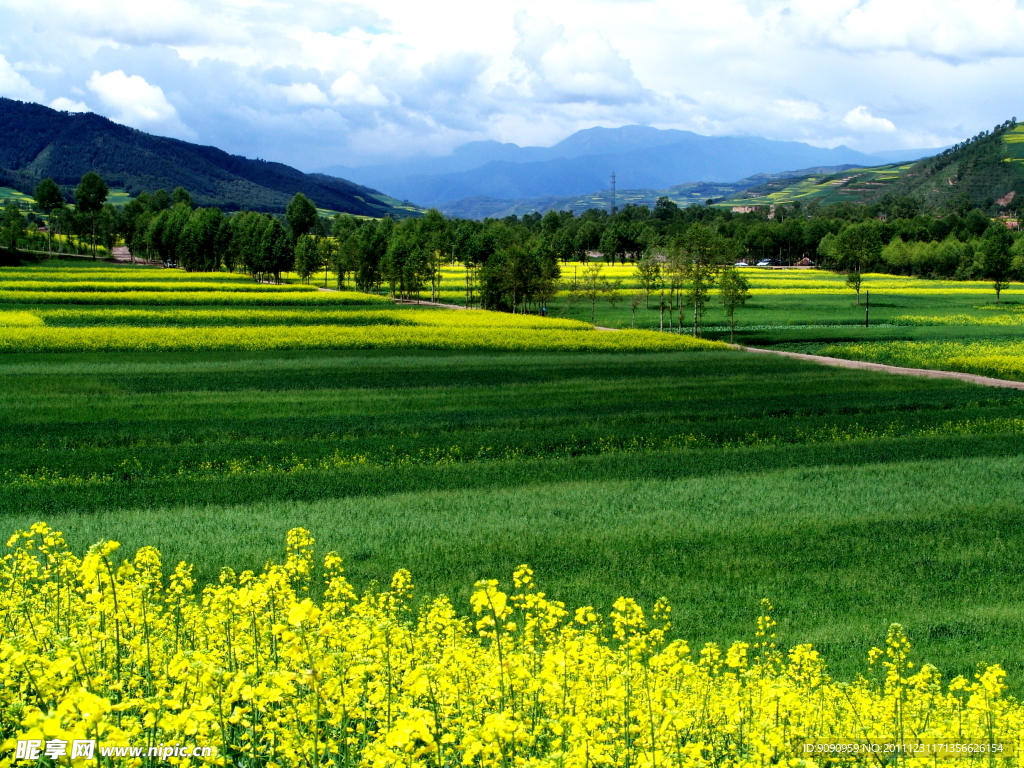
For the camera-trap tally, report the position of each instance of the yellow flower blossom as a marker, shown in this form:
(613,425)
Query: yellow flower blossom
(256,668)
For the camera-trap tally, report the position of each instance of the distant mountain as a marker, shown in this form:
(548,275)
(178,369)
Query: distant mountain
(36,142)
(692,193)
(642,158)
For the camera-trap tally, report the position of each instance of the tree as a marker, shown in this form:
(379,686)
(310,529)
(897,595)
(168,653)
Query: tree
(567,245)
(276,254)
(308,256)
(613,241)
(734,290)
(517,275)
(160,201)
(203,240)
(49,198)
(996,257)
(853,282)
(137,235)
(301,215)
(111,226)
(433,233)
(635,301)
(611,294)
(90,195)
(346,252)
(648,275)
(181,195)
(857,247)
(13,224)
(372,239)
(165,231)
(593,285)
(243,249)
(551,222)
(405,262)
(697,258)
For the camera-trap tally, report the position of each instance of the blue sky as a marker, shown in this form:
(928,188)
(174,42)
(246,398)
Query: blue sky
(314,83)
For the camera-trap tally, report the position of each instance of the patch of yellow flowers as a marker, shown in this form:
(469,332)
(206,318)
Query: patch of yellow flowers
(126,655)
(192,297)
(109,286)
(453,337)
(231,316)
(16,319)
(1000,359)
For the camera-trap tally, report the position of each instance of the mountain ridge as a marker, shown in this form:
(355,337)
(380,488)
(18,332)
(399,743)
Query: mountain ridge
(642,157)
(691,193)
(38,141)
(985,171)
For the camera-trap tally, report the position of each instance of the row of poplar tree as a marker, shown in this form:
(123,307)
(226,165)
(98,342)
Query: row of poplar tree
(514,263)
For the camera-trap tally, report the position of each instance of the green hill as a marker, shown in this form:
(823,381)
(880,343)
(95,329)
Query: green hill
(36,142)
(986,171)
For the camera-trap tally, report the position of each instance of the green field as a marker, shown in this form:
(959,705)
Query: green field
(854,185)
(614,463)
(946,324)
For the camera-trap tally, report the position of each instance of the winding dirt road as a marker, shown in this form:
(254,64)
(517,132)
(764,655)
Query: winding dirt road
(862,365)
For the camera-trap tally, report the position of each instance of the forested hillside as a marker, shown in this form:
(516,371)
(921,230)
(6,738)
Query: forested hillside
(977,172)
(986,172)
(38,142)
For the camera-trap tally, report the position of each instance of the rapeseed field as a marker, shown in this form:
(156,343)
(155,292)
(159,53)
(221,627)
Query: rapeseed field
(260,330)
(662,486)
(116,651)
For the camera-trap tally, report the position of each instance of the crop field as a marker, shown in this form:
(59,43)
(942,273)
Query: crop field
(460,445)
(946,324)
(34,328)
(262,673)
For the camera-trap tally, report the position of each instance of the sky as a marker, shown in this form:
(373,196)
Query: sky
(315,84)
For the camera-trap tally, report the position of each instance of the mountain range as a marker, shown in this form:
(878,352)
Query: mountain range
(36,142)
(641,157)
(691,193)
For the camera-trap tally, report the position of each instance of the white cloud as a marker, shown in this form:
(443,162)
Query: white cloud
(335,81)
(860,119)
(583,67)
(302,94)
(951,30)
(798,110)
(13,84)
(136,103)
(350,89)
(64,104)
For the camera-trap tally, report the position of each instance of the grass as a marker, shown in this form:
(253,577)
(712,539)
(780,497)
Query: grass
(850,499)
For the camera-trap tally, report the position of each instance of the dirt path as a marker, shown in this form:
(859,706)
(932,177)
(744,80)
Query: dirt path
(431,304)
(862,365)
(123,255)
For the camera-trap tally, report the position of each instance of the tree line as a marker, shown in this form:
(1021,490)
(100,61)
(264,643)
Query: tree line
(517,263)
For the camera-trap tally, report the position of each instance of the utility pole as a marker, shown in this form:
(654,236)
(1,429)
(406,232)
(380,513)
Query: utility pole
(867,306)
(613,192)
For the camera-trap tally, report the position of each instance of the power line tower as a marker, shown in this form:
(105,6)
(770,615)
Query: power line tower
(613,192)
